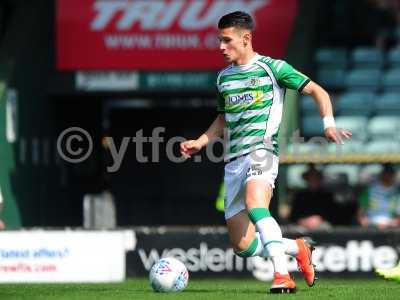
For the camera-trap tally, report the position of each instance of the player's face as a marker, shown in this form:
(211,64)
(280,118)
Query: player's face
(232,43)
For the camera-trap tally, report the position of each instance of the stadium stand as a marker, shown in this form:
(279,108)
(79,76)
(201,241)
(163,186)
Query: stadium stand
(388,104)
(391,80)
(331,78)
(367,58)
(333,58)
(350,171)
(364,84)
(393,58)
(363,80)
(312,126)
(353,146)
(308,107)
(382,146)
(381,127)
(294,176)
(356,124)
(355,104)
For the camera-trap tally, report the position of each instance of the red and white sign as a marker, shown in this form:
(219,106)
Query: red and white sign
(161,34)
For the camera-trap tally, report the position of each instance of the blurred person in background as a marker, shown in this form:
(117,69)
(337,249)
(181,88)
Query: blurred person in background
(382,20)
(313,206)
(380,202)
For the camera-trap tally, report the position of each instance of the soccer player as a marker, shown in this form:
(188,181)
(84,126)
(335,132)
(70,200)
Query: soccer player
(250,101)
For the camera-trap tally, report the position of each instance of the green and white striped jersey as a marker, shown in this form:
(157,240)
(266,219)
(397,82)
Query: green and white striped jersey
(251,96)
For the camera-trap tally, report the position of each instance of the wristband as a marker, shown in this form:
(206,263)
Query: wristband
(329,122)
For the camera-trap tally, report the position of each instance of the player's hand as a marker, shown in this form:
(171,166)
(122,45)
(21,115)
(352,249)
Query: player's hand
(188,148)
(337,135)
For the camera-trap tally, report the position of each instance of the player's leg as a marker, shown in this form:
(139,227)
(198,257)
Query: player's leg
(258,196)
(262,169)
(244,239)
(242,235)
(241,230)
(246,242)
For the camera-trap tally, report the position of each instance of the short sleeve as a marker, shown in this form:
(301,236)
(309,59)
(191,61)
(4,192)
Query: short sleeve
(220,103)
(289,77)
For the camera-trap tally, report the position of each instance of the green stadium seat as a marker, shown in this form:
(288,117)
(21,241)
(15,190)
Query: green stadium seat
(382,146)
(308,106)
(295,176)
(384,127)
(301,148)
(391,81)
(355,104)
(335,58)
(356,124)
(367,58)
(312,126)
(351,146)
(388,104)
(363,80)
(331,78)
(393,58)
(350,170)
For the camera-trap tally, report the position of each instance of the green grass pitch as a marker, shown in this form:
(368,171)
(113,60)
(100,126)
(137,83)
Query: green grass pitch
(204,289)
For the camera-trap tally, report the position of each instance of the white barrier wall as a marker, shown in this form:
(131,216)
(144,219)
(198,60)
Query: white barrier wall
(64,256)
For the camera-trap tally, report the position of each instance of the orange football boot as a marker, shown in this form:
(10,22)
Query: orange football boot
(282,284)
(304,259)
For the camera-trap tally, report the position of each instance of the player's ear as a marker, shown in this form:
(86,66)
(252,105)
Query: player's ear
(247,38)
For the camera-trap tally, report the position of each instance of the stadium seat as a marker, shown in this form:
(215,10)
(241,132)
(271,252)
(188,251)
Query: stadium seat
(363,80)
(308,148)
(391,81)
(356,124)
(335,58)
(381,127)
(351,171)
(349,147)
(388,104)
(382,146)
(308,106)
(312,126)
(367,58)
(294,176)
(331,78)
(355,104)
(393,58)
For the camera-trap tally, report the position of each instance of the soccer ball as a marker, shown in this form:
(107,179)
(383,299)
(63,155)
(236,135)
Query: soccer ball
(168,275)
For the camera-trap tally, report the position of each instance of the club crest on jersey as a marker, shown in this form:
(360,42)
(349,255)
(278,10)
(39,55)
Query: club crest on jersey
(253,82)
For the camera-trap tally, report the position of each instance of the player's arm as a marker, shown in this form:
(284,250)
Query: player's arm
(322,99)
(290,78)
(215,130)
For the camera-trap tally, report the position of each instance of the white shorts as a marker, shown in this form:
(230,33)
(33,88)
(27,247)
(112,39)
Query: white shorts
(259,164)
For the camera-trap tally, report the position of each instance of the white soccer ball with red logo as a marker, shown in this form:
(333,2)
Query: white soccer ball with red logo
(168,275)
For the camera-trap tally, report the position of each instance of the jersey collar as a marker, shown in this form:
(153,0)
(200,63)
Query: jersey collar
(255,58)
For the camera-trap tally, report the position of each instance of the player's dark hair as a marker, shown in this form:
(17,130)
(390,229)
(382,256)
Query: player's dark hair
(237,19)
